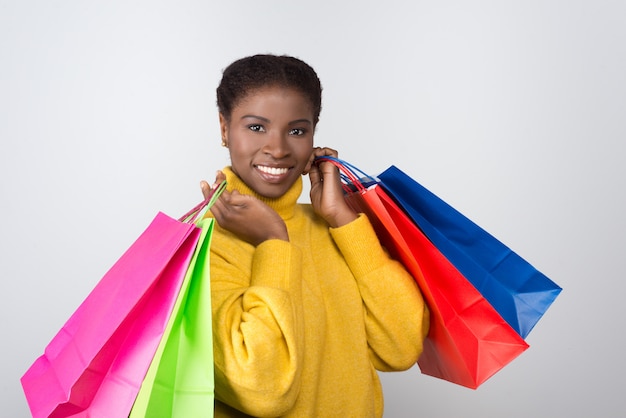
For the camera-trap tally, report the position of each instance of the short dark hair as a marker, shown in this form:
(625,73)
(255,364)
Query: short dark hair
(257,71)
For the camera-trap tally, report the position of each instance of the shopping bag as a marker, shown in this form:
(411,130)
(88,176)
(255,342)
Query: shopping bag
(468,341)
(517,290)
(95,364)
(180,382)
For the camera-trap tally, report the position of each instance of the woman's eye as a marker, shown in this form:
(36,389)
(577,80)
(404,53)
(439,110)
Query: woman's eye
(297,132)
(256,128)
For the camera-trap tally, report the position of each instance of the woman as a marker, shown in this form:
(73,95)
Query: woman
(306,304)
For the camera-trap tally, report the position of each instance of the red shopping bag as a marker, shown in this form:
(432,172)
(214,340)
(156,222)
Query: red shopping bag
(516,289)
(468,341)
(95,364)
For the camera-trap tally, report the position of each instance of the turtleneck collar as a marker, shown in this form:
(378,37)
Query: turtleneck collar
(283,205)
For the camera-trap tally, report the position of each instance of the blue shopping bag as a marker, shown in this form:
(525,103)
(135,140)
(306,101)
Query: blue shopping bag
(517,290)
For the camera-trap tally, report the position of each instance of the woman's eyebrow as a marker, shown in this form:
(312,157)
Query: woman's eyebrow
(297,121)
(266,120)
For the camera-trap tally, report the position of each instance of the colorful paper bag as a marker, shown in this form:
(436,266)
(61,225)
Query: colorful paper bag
(468,341)
(180,382)
(517,290)
(95,364)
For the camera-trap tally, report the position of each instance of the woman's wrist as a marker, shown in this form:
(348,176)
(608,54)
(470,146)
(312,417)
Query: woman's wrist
(343,218)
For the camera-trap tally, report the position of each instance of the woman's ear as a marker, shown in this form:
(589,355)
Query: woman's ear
(224,130)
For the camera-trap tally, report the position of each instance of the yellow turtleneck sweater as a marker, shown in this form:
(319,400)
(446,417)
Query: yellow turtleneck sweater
(300,327)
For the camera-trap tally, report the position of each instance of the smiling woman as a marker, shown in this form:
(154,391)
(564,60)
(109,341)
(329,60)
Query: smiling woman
(301,320)
(270,138)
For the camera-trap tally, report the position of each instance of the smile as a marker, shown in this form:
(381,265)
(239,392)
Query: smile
(274,171)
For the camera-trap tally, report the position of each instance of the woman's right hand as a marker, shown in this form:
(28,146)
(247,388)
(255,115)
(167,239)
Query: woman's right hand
(245,216)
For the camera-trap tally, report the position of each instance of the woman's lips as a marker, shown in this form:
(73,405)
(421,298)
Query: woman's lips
(273,171)
(272,174)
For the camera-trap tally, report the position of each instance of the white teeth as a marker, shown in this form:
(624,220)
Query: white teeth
(275,171)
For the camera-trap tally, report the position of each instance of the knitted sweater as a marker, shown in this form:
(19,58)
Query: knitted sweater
(301,327)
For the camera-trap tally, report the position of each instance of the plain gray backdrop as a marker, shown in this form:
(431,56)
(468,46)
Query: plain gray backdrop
(512,111)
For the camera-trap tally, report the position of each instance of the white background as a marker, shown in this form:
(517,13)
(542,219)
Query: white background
(512,111)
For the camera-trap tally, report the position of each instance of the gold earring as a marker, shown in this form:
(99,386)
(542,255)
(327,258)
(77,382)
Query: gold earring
(224,144)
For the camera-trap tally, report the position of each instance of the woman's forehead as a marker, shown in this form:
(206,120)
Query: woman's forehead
(275,97)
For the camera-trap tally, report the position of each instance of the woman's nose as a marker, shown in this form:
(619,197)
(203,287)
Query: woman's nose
(276,145)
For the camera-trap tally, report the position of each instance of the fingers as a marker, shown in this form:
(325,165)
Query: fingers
(229,203)
(326,168)
(219,178)
(318,152)
(206,189)
(323,152)
(221,207)
(323,170)
(315,176)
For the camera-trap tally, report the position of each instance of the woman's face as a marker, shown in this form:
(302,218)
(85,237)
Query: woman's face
(270,138)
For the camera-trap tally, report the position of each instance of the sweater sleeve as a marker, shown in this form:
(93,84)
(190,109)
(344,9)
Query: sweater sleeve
(258,334)
(396,317)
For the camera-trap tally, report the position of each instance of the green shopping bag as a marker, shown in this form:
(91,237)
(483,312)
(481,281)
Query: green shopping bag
(179,382)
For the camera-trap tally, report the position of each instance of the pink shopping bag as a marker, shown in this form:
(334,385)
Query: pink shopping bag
(95,364)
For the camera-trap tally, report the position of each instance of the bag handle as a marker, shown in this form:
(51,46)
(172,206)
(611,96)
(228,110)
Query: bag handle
(192,215)
(350,174)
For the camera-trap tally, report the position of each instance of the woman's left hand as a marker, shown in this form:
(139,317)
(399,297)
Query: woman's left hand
(326,190)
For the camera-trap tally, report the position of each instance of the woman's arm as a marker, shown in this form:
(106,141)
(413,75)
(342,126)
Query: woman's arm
(396,317)
(257,323)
